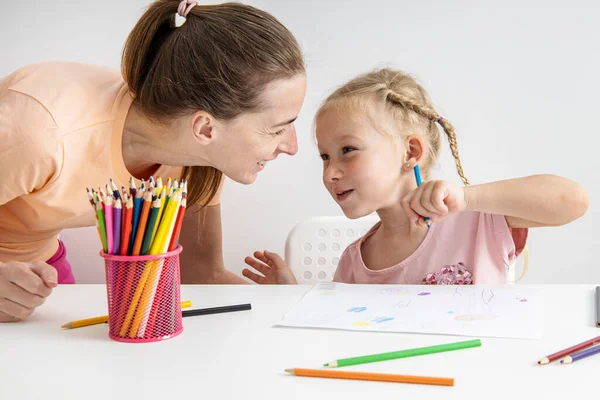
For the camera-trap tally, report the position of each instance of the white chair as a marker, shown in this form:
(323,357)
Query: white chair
(314,246)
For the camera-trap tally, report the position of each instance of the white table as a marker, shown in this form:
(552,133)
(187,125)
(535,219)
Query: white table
(241,355)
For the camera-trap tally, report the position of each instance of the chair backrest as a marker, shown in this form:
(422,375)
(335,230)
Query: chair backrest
(314,246)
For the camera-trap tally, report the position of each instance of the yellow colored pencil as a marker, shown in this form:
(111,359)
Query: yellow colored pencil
(100,320)
(145,284)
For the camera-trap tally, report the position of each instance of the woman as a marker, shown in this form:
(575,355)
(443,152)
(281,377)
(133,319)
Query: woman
(215,96)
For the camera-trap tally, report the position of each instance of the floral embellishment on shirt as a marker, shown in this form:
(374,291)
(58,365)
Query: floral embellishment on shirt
(455,274)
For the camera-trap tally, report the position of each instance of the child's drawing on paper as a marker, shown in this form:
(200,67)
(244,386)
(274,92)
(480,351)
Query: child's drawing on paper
(443,309)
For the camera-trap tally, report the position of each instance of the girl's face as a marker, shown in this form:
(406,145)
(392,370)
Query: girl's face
(251,140)
(362,168)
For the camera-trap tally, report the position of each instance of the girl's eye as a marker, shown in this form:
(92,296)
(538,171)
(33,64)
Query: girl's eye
(347,149)
(324,157)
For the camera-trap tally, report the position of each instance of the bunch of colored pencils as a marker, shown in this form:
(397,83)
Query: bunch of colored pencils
(139,221)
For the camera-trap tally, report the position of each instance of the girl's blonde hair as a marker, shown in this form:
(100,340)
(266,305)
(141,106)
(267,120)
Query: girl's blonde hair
(411,110)
(406,102)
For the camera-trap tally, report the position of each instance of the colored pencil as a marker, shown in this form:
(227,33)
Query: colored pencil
(103,319)
(581,354)
(163,199)
(117,226)
(173,221)
(158,244)
(115,189)
(177,228)
(108,216)
(417,171)
(127,226)
(368,376)
(217,310)
(155,267)
(132,188)
(159,186)
(403,353)
(102,226)
(137,211)
(152,221)
(141,228)
(152,283)
(572,349)
(598,306)
(91,198)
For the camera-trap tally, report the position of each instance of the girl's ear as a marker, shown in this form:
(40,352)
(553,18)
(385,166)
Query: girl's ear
(415,151)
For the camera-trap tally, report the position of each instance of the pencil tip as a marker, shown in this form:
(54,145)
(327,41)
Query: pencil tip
(290,371)
(67,326)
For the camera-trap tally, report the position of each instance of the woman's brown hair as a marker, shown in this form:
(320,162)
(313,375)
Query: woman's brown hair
(219,61)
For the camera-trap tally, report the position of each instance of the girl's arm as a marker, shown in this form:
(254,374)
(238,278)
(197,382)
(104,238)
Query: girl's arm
(533,201)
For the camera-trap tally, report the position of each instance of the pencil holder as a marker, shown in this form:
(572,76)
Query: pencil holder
(143,296)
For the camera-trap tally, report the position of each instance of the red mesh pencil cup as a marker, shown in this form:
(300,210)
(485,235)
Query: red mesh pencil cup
(143,296)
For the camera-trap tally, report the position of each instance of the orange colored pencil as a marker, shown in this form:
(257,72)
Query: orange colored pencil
(126,234)
(139,236)
(177,227)
(368,376)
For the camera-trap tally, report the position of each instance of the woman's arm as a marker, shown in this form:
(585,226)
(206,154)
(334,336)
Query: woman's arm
(533,201)
(202,256)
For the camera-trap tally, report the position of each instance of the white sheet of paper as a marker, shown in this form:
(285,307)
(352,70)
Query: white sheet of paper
(509,311)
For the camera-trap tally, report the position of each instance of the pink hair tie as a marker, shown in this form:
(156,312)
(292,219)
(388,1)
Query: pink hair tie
(185,7)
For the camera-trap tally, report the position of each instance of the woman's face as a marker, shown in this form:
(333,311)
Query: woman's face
(251,140)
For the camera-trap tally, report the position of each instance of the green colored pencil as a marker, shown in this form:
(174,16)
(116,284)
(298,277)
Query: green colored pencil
(404,353)
(102,225)
(152,221)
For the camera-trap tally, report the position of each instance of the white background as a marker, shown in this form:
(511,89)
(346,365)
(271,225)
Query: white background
(519,81)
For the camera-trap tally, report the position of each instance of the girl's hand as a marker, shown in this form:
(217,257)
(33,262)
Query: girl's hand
(434,199)
(272,267)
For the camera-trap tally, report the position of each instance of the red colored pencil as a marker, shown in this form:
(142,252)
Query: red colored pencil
(177,227)
(126,231)
(565,352)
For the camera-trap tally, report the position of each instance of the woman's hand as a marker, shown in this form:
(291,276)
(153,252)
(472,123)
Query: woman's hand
(23,288)
(272,267)
(435,200)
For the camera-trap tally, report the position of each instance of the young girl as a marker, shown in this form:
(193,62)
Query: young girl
(372,133)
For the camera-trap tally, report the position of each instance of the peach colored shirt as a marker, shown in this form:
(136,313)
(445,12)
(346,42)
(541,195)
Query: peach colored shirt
(61,126)
(468,247)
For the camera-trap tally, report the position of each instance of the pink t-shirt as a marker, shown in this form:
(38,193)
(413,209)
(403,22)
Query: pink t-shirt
(468,247)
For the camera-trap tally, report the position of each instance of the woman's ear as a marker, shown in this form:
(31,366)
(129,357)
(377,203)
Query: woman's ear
(415,151)
(203,127)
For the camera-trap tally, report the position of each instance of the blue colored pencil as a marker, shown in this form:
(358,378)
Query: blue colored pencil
(137,211)
(581,354)
(418,179)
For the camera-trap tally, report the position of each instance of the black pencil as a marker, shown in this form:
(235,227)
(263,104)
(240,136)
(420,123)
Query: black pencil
(216,310)
(598,306)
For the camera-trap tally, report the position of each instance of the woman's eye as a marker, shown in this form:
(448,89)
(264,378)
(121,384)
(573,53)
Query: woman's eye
(279,132)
